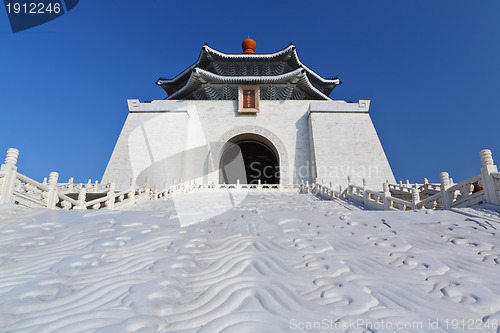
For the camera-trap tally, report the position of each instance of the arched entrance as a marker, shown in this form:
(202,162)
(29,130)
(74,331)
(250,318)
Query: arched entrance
(249,158)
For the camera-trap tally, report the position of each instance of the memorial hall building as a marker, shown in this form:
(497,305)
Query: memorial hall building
(248,118)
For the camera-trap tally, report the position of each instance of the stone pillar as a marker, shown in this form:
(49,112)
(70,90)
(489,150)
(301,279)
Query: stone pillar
(349,189)
(487,169)
(415,196)
(110,203)
(387,193)
(146,186)
(52,198)
(82,196)
(71,186)
(155,193)
(8,182)
(445,184)
(365,194)
(131,191)
(165,194)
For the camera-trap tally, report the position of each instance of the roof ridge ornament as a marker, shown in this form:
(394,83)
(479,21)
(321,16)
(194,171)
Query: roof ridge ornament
(248,46)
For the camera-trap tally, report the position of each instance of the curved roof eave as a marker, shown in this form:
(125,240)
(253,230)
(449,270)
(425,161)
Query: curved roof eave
(207,49)
(258,78)
(276,54)
(161,80)
(198,74)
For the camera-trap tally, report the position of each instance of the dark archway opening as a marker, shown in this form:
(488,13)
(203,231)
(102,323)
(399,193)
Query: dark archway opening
(249,160)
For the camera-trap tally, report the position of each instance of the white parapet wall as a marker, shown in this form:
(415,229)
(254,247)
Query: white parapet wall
(344,144)
(150,144)
(170,141)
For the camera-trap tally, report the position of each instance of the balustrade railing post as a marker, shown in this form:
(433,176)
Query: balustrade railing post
(445,184)
(131,192)
(489,167)
(238,184)
(71,186)
(165,194)
(146,186)
(8,182)
(387,194)
(415,196)
(365,193)
(110,203)
(155,193)
(349,188)
(52,198)
(82,197)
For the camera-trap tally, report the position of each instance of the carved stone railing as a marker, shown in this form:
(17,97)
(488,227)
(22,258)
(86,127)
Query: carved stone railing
(24,191)
(322,191)
(71,187)
(17,188)
(189,187)
(426,187)
(496,181)
(481,188)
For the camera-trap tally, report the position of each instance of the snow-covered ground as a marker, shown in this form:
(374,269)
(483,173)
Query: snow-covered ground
(272,263)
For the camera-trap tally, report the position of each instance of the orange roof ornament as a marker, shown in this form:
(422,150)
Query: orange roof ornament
(248,46)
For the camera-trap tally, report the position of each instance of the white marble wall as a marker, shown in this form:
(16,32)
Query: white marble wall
(345,143)
(170,140)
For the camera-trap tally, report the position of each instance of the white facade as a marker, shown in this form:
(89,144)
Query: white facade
(171,141)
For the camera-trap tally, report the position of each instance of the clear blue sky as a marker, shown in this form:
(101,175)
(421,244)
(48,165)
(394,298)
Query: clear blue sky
(430,68)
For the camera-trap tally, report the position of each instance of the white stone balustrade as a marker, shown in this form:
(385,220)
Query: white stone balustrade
(488,171)
(8,175)
(444,195)
(18,188)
